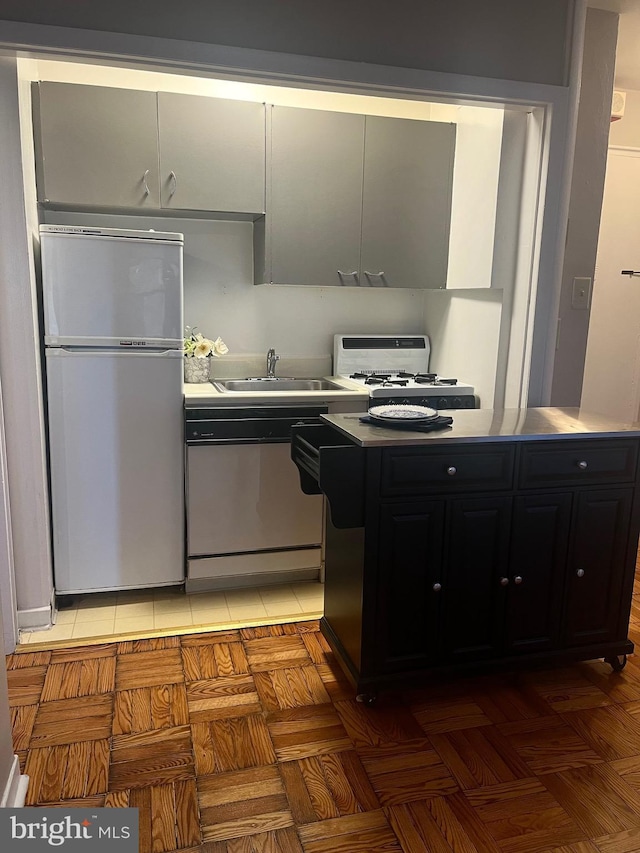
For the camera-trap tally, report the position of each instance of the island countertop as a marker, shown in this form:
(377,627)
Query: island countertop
(489,425)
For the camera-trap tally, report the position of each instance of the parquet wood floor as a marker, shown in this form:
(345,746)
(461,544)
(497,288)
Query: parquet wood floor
(250,741)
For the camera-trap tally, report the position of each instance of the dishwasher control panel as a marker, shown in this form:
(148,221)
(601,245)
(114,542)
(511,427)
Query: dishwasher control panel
(247,423)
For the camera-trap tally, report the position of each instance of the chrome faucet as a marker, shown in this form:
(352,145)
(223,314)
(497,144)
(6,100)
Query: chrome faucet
(272,358)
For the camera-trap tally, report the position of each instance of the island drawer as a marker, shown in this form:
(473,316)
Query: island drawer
(484,467)
(591,462)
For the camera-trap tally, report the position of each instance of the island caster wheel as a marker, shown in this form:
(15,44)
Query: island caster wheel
(617,662)
(367,698)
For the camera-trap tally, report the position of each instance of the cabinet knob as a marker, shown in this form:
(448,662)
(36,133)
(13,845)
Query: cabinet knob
(504,581)
(517,579)
(451,470)
(437,587)
(582,465)
(580,573)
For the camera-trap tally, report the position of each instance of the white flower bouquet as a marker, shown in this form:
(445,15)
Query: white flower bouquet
(197,346)
(197,351)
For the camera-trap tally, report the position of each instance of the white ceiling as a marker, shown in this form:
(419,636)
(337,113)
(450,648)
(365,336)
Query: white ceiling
(628,53)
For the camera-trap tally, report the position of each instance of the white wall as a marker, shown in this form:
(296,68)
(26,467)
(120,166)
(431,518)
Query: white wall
(7,569)
(20,372)
(10,782)
(475,192)
(612,366)
(464,329)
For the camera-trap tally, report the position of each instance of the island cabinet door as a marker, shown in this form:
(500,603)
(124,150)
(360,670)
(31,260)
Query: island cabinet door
(597,566)
(539,544)
(410,584)
(475,588)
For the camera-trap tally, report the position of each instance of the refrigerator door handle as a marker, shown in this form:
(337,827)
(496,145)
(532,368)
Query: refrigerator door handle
(65,352)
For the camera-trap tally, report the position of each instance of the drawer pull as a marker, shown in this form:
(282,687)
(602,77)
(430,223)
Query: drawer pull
(451,470)
(580,573)
(583,465)
(517,579)
(504,581)
(437,587)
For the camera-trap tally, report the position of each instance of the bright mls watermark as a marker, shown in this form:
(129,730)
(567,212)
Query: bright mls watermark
(34,830)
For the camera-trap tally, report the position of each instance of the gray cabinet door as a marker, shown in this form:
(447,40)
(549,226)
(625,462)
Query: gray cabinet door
(406,211)
(212,153)
(98,146)
(314,219)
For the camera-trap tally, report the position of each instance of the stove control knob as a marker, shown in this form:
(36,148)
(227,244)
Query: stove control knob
(442,403)
(452,470)
(457,403)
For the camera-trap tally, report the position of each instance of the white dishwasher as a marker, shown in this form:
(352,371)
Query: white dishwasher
(248,521)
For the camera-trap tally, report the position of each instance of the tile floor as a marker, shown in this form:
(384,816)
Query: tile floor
(168,609)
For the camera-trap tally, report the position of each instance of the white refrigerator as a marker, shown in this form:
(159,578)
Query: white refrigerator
(112,302)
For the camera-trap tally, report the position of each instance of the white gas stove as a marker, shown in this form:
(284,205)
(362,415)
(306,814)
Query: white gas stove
(395,369)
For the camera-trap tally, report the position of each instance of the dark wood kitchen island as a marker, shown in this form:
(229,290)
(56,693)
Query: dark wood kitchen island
(509,537)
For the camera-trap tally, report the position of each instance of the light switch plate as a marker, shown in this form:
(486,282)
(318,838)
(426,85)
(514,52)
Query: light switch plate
(581,293)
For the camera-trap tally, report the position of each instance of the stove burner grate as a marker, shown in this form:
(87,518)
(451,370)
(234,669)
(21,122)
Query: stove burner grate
(385,381)
(401,378)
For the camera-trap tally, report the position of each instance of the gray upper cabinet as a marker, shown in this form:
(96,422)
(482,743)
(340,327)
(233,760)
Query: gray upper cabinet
(212,153)
(314,198)
(406,207)
(96,146)
(356,200)
(122,148)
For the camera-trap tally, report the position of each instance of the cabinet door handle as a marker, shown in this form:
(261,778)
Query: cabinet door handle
(353,275)
(380,275)
(437,587)
(517,579)
(452,470)
(173,184)
(504,581)
(582,465)
(145,184)
(580,573)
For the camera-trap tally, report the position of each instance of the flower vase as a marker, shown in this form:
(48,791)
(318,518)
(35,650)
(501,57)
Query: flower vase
(196,369)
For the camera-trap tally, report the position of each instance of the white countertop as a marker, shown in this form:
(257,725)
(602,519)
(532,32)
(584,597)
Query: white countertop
(206,394)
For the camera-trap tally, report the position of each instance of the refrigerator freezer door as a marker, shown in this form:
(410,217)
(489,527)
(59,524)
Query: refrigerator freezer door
(111,291)
(116,447)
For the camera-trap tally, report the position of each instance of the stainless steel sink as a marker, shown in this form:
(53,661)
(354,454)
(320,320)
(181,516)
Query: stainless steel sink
(276,384)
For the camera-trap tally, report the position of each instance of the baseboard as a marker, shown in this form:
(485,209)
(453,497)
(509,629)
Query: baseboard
(36,618)
(15,791)
(251,581)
